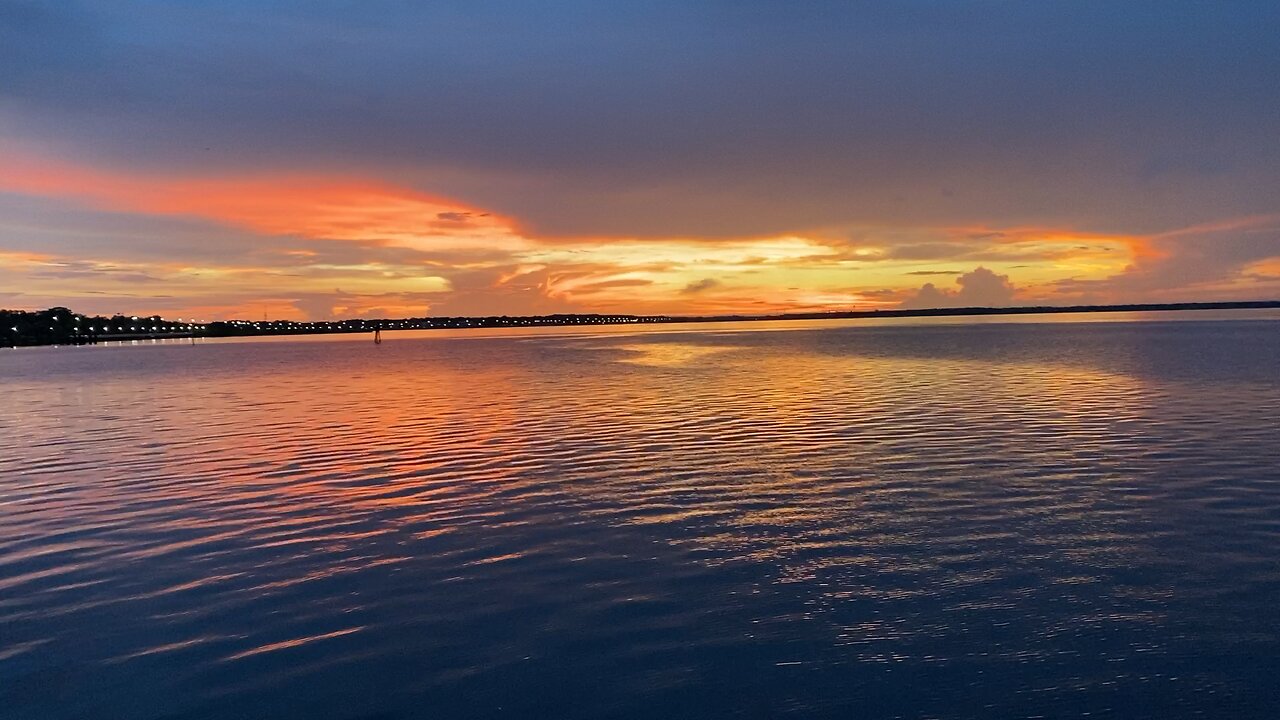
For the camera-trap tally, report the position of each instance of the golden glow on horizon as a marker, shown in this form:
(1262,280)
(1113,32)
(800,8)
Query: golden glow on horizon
(330,246)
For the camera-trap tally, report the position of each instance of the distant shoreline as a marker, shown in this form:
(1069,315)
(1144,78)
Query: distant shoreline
(60,326)
(1023,310)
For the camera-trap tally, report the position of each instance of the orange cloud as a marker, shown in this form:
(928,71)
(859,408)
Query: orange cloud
(1139,246)
(22,259)
(491,267)
(310,206)
(1265,268)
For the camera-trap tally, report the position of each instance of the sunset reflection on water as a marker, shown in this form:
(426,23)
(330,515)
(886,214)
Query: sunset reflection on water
(987,519)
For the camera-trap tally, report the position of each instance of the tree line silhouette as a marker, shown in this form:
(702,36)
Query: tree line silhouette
(61,326)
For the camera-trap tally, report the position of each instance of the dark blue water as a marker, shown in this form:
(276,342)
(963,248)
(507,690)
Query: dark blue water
(858,520)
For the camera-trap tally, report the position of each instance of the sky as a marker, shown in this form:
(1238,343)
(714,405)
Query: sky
(322,160)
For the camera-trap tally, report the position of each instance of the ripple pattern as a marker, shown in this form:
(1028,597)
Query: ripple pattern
(953,521)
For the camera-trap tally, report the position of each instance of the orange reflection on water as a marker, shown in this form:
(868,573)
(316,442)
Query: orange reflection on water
(282,495)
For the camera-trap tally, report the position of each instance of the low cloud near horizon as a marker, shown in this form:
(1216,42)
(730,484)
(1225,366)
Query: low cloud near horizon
(978,288)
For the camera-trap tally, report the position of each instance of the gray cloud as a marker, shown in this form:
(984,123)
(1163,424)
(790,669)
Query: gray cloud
(930,251)
(84,270)
(700,286)
(979,287)
(38,225)
(737,118)
(1195,263)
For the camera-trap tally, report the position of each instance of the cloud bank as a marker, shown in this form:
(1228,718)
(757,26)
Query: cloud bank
(513,157)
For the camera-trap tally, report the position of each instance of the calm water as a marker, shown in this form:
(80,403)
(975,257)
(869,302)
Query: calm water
(852,520)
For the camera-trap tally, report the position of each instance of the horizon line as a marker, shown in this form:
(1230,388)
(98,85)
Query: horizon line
(798,314)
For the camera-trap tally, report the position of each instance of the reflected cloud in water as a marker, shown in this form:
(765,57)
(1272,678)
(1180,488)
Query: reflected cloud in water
(954,521)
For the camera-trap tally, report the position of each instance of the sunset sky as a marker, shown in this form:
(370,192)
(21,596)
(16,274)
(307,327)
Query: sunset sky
(340,159)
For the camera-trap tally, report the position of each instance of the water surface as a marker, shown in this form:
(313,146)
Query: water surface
(860,519)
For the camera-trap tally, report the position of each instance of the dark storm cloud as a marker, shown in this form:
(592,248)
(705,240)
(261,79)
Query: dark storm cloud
(733,118)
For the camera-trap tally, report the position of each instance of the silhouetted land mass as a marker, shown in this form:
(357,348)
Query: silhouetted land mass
(60,326)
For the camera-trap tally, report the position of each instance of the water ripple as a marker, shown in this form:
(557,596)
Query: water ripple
(951,521)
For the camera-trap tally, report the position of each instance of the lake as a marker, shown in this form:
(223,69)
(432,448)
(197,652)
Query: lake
(991,518)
